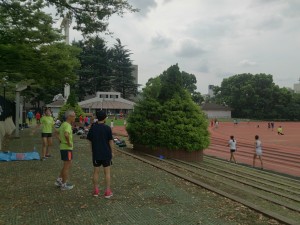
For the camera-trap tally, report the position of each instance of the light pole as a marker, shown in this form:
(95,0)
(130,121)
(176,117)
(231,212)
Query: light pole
(19,88)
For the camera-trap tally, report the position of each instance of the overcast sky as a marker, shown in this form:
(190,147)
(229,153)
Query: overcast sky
(213,39)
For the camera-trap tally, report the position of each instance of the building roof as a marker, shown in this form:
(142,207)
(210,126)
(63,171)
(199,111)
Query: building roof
(107,104)
(102,100)
(214,107)
(107,100)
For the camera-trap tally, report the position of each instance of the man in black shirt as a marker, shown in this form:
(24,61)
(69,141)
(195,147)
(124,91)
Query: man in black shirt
(100,136)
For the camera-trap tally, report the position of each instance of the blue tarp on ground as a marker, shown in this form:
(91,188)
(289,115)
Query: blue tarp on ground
(13,156)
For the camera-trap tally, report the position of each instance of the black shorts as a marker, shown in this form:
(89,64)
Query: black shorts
(232,150)
(46,135)
(66,155)
(104,163)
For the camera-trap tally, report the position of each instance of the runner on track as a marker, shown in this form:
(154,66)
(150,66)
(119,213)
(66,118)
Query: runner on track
(258,151)
(232,144)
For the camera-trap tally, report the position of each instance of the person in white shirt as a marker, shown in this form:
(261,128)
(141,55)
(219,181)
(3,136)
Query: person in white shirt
(258,151)
(232,145)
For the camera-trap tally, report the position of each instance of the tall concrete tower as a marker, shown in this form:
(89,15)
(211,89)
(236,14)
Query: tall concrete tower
(297,87)
(65,24)
(211,91)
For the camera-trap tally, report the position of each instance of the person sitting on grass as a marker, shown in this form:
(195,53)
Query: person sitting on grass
(280,131)
(100,136)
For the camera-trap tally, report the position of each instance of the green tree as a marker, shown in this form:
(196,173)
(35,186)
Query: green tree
(28,39)
(197,98)
(71,104)
(168,117)
(90,16)
(255,96)
(94,73)
(30,51)
(121,65)
(189,81)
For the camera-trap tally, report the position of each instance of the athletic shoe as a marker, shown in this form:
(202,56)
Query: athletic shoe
(58,182)
(48,156)
(96,192)
(66,187)
(108,193)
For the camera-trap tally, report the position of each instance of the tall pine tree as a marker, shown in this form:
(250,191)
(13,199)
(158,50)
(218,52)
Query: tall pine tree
(122,79)
(94,73)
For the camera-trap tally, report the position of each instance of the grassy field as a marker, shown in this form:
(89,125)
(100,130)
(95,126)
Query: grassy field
(118,122)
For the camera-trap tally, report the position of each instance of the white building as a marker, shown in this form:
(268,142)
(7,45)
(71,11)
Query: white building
(111,102)
(297,88)
(59,100)
(213,111)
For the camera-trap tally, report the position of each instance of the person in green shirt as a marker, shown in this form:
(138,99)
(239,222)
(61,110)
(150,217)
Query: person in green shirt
(47,123)
(280,131)
(66,150)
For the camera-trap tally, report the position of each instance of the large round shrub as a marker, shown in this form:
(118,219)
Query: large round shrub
(167,117)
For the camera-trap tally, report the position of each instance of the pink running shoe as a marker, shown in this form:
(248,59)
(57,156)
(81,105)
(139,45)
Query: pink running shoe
(108,193)
(96,192)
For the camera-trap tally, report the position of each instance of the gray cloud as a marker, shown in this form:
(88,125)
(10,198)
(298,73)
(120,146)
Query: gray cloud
(247,63)
(160,41)
(203,68)
(218,27)
(190,49)
(214,39)
(292,9)
(144,5)
(270,23)
(289,8)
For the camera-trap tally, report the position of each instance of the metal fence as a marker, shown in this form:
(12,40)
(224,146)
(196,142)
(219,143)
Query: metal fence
(7,109)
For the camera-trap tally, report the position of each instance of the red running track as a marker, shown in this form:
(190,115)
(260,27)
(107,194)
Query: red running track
(280,153)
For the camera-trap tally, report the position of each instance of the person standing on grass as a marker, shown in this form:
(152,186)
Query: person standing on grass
(232,145)
(66,150)
(30,117)
(81,119)
(112,124)
(38,117)
(47,123)
(100,136)
(258,151)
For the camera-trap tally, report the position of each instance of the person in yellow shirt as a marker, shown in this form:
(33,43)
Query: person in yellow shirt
(280,131)
(66,150)
(47,123)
